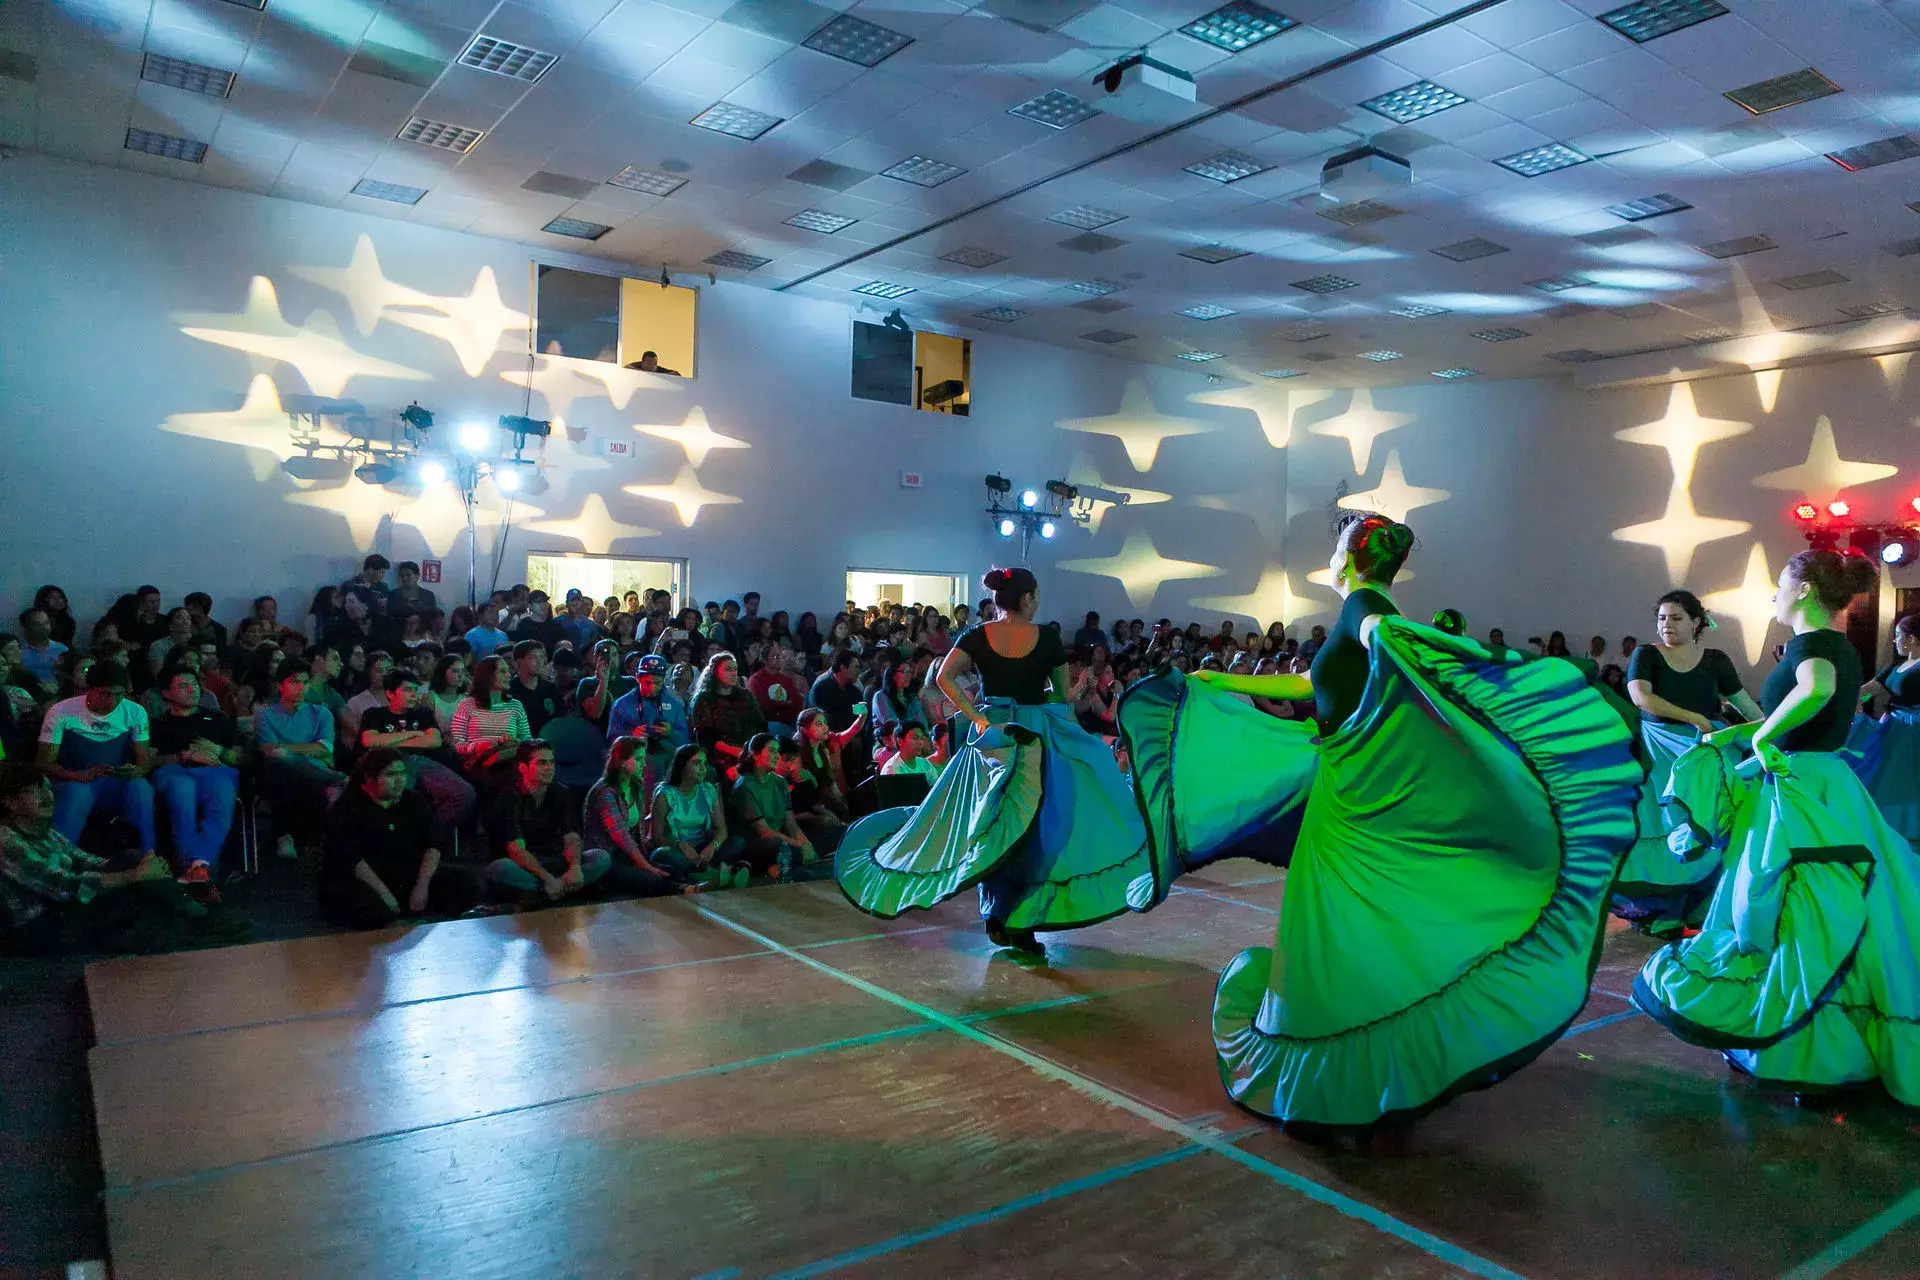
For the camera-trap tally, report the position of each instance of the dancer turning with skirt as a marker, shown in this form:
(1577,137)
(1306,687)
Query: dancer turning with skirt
(1032,808)
(1804,971)
(1455,831)
(1886,752)
(1679,685)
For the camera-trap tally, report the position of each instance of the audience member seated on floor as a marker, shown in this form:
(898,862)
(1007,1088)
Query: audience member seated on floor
(39,651)
(94,747)
(837,691)
(371,693)
(406,724)
(724,717)
(54,897)
(820,750)
(196,753)
(652,712)
(295,740)
(533,835)
(688,833)
(816,819)
(577,627)
(530,687)
(616,818)
(487,722)
(763,812)
(915,746)
(383,856)
(776,686)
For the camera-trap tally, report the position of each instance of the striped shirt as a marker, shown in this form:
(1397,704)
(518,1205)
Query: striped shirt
(506,721)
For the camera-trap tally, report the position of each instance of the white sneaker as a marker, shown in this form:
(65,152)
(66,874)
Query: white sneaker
(286,848)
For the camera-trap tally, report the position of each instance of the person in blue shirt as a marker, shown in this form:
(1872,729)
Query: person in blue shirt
(578,625)
(651,711)
(296,750)
(487,636)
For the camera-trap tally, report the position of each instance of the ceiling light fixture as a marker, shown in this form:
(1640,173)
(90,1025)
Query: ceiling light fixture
(166,146)
(1213,254)
(576,228)
(1469,250)
(1558,284)
(820,220)
(1871,155)
(1201,357)
(194,77)
(1419,311)
(1087,217)
(1654,206)
(922,172)
(1055,109)
(1108,337)
(969,256)
(1097,288)
(1238,26)
(1381,357)
(851,39)
(392,192)
(1228,166)
(1500,335)
(440,135)
(1207,311)
(1283,373)
(735,260)
(1451,374)
(1536,162)
(1002,315)
(1325,284)
(504,58)
(1780,92)
(1738,247)
(1415,101)
(735,122)
(882,289)
(650,182)
(1651,19)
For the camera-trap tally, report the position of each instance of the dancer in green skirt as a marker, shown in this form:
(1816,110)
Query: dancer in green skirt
(1454,831)
(1804,972)
(1032,808)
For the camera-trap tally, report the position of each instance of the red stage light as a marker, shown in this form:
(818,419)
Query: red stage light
(1839,509)
(1807,511)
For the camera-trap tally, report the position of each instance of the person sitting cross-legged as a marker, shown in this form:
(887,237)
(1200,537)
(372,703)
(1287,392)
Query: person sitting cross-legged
(295,737)
(688,834)
(196,751)
(94,747)
(764,810)
(534,836)
(808,798)
(617,818)
(382,859)
(55,897)
(406,723)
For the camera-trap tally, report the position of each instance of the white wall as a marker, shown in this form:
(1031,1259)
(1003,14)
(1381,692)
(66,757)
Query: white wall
(102,271)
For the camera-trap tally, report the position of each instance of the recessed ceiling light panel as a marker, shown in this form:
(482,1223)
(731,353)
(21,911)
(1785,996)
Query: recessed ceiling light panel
(1002,315)
(651,182)
(389,191)
(856,40)
(1094,288)
(735,260)
(1325,284)
(440,135)
(1201,357)
(194,77)
(1055,109)
(969,256)
(1213,253)
(1870,310)
(1871,155)
(1415,101)
(1238,26)
(922,172)
(1558,284)
(820,220)
(1536,162)
(1207,311)
(1811,280)
(1381,357)
(1789,90)
(1577,355)
(1228,166)
(1451,374)
(1283,373)
(576,228)
(166,146)
(1358,213)
(1500,335)
(1087,217)
(1418,311)
(1651,19)
(735,122)
(882,289)
(504,58)
(1653,206)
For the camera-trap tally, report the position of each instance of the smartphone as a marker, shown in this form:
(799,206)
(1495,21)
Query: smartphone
(859,709)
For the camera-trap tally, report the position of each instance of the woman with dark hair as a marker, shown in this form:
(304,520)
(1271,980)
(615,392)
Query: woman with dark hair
(896,699)
(763,805)
(724,715)
(1885,752)
(1453,832)
(1803,972)
(487,722)
(448,686)
(807,641)
(1679,686)
(52,601)
(1557,645)
(689,828)
(1031,808)
(614,818)
(320,613)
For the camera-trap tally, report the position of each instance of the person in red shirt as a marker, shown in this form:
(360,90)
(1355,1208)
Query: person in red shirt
(777,688)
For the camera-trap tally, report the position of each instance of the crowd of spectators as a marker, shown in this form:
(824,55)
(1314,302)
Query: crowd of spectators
(430,761)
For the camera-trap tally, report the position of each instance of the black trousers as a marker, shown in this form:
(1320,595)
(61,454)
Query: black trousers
(453,891)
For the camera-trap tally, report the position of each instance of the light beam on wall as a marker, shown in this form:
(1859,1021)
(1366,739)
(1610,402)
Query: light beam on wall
(365,507)
(1271,404)
(1360,426)
(686,495)
(693,434)
(324,361)
(1893,370)
(1271,600)
(1825,474)
(1766,385)
(472,326)
(366,287)
(1084,474)
(1750,604)
(1140,568)
(1138,426)
(1679,532)
(557,379)
(594,528)
(1393,497)
(1682,432)
(259,426)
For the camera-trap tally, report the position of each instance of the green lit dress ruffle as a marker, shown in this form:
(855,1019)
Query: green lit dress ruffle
(1667,876)
(1033,811)
(1805,971)
(1453,845)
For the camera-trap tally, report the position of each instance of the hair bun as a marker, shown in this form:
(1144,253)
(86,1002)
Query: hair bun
(1399,539)
(1861,574)
(995,579)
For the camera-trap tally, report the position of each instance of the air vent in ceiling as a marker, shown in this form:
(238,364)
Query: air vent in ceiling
(1614,237)
(1102,306)
(1811,280)
(1576,355)
(1736,248)
(577,228)
(559,184)
(1789,90)
(393,192)
(1902,146)
(1213,254)
(1108,337)
(1091,242)
(1469,250)
(1325,284)
(504,58)
(1360,212)
(969,256)
(402,66)
(825,173)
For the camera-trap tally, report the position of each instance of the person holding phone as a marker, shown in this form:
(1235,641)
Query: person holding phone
(1031,809)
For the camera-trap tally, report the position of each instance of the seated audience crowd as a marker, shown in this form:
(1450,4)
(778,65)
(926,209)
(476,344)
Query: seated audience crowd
(436,763)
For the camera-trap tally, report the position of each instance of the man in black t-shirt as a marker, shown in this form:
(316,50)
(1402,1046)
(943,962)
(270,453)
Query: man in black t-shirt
(196,780)
(408,725)
(531,688)
(533,831)
(381,845)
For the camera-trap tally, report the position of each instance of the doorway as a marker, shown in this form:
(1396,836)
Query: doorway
(557,572)
(907,586)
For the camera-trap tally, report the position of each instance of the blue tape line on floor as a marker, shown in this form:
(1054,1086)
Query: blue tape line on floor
(1860,1239)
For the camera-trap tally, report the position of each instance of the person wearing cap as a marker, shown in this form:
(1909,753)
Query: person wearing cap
(651,711)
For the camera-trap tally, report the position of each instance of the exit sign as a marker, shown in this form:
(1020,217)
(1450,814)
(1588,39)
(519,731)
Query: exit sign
(429,571)
(617,448)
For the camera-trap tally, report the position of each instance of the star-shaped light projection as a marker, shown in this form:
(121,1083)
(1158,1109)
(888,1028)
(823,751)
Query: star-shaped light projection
(325,361)
(472,325)
(1140,568)
(694,435)
(557,379)
(1824,474)
(1084,473)
(1271,600)
(1272,404)
(439,515)
(1765,345)
(1360,426)
(1679,532)
(594,528)
(1682,432)
(686,494)
(259,426)
(1393,497)
(620,384)
(365,507)
(1750,604)
(1138,425)
(365,286)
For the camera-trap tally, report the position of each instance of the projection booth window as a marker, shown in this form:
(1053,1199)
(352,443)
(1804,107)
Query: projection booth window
(895,365)
(638,324)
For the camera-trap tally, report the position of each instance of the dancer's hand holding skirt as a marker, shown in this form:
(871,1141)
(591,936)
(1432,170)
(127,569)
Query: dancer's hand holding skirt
(1454,843)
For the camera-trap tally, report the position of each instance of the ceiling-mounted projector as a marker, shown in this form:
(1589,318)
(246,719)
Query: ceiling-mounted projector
(1365,173)
(1141,89)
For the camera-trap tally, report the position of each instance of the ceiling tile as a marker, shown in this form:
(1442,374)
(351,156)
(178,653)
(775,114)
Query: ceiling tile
(1515,22)
(729,46)
(1433,55)
(1569,47)
(652,23)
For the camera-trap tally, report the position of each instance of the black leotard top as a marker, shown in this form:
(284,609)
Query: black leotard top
(1701,690)
(1903,687)
(1827,731)
(1022,679)
(1340,668)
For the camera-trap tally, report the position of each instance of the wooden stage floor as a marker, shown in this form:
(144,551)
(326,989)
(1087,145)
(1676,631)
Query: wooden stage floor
(767,1083)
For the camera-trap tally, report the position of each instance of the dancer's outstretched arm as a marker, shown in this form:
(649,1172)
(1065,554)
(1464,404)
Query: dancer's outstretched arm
(1284,687)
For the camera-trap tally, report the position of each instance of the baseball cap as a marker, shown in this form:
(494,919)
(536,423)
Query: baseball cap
(652,665)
